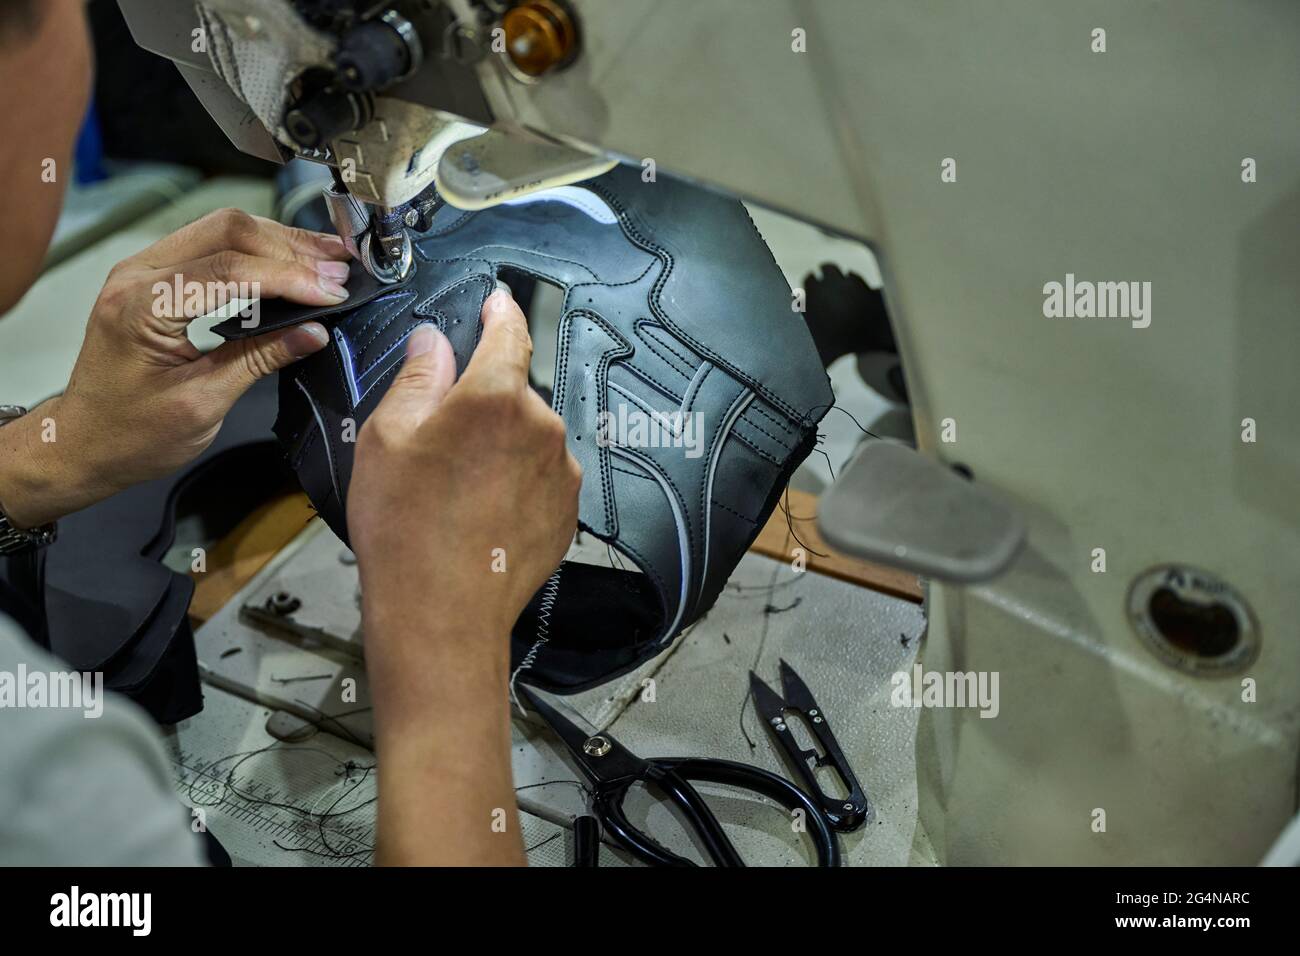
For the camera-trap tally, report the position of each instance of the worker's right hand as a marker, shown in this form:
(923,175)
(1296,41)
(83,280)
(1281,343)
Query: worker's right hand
(464,497)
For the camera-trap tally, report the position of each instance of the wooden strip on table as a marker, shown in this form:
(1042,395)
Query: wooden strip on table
(776,541)
(235,559)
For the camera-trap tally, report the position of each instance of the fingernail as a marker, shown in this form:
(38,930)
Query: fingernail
(332,288)
(306,339)
(422,339)
(331,243)
(332,270)
(498,301)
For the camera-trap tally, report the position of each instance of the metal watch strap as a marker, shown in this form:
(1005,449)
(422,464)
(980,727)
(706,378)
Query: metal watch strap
(14,540)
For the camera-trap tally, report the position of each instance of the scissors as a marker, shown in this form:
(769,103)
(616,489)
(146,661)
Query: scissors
(843,813)
(612,769)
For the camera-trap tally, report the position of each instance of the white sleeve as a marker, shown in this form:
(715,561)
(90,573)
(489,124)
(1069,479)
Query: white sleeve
(79,790)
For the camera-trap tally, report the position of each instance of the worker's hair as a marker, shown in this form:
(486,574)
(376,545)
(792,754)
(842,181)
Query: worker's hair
(19,19)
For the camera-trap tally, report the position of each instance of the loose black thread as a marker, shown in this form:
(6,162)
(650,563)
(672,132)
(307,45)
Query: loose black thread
(614,560)
(346,768)
(552,783)
(334,719)
(762,639)
(860,426)
(839,408)
(789,523)
(553,836)
(773,609)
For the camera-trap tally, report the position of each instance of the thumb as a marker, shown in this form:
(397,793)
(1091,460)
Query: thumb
(234,366)
(425,378)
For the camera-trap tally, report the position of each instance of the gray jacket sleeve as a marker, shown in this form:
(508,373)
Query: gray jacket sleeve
(78,789)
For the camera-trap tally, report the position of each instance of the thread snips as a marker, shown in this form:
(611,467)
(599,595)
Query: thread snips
(844,813)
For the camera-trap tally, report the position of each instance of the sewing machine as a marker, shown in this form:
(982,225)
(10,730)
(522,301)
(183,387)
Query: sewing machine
(1122,557)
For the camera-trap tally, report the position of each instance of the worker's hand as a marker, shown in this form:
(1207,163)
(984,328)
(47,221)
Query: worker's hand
(464,496)
(463,500)
(142,400)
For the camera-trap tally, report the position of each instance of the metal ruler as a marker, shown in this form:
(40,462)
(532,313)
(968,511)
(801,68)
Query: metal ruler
(271,802)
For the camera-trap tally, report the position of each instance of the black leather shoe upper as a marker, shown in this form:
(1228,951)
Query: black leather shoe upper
(689,387)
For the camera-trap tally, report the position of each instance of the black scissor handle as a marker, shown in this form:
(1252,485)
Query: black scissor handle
(673,776)
(706,826)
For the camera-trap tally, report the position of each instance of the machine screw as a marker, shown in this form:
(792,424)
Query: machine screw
(283,603)
(541,36)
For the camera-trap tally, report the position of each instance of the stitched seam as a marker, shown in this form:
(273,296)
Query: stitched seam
(541,255)
(767,455)
(693,390)
(388,373)
(719,504)
(650,379)
(615,285)
(234,61)
(468,280)
(392,371)
(514,267)
(704,478)
(437,314)
(343,373)
(305,447)
(772,418)
(632,397)
(634,474)
(401,300)
(635,234)
(450,227)
(550,592)
(670,602)
(649,463)
(644,330)
(381,299)
(646,462)
(562,368)
(666,360)
(757,428)
(601,379)
(453,260)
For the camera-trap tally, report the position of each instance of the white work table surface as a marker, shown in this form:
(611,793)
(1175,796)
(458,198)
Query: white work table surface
(284,802)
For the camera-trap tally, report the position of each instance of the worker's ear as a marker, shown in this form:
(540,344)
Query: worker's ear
(45,70)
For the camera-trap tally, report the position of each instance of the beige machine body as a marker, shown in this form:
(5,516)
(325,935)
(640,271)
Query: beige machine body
(984,152)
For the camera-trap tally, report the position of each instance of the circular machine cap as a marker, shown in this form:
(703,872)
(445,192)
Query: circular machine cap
(1193,621)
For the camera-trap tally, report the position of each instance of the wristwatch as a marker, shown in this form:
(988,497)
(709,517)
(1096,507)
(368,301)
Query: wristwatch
(14,540)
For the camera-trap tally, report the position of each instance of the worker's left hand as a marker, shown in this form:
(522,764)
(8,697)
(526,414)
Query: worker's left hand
(142,400)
